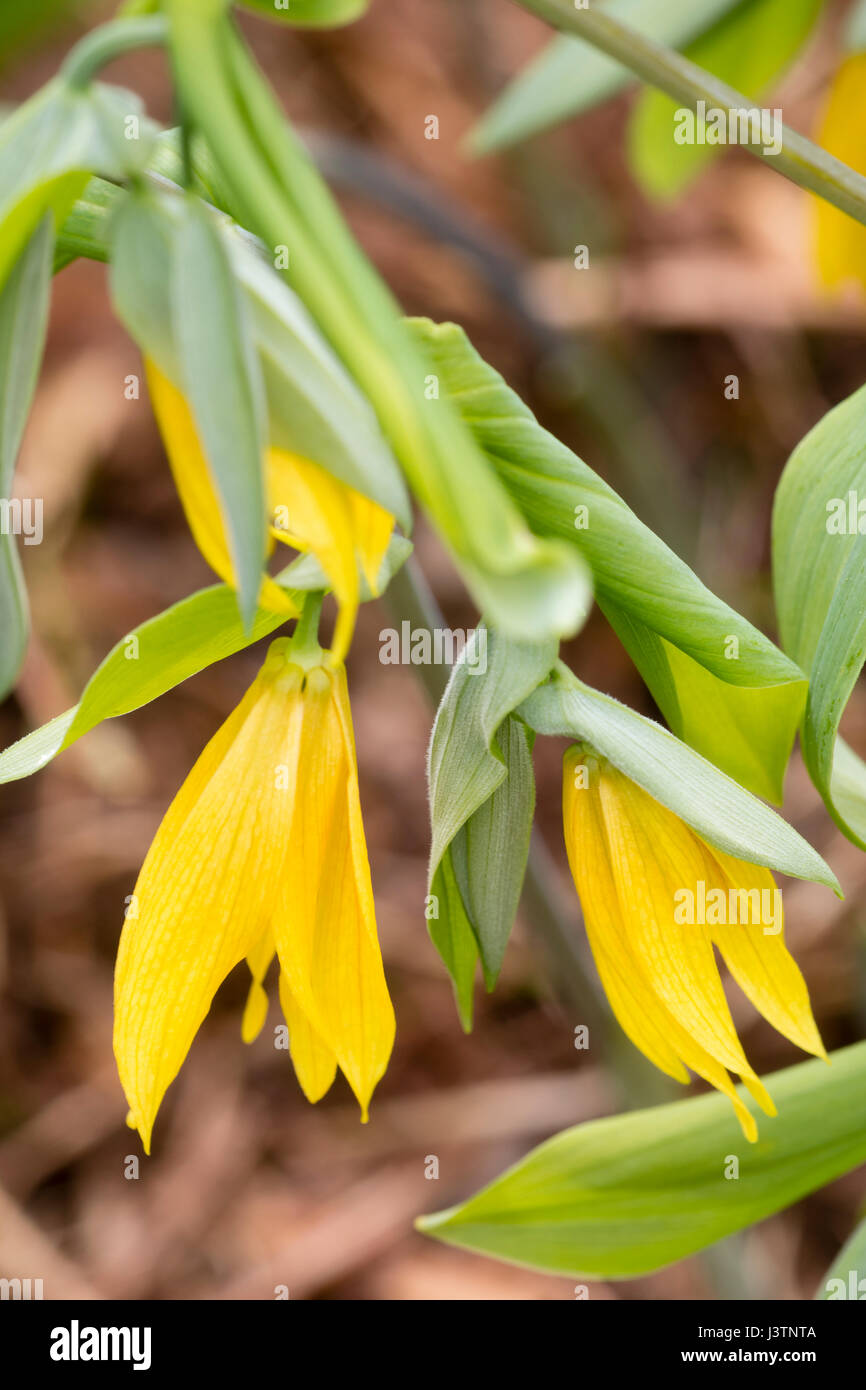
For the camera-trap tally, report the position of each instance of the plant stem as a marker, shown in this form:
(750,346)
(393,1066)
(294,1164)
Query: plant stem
(111,41)
(801,161)
(305,638)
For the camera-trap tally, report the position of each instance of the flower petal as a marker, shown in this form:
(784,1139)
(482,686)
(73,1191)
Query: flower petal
(195,488)
(315,1065)
(207,887)
(642,1015)
(653,855)
(312,512)
(760,962)
(840,241)
(325,925)
(256,1009)
(372,527)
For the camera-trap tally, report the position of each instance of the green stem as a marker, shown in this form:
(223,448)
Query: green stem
(801,161)
(305,638)
(111,41)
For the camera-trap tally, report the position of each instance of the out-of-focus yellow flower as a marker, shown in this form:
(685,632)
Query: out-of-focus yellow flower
(309,509)
(840,241)
(638,870)
(262,851)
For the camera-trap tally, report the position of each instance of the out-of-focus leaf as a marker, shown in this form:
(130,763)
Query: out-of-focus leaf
(819,572)
(708,668)
(620,1197)
(24,302)
(846,1277)
(855,28)
(166,650)
(50,146)
(719,809)
(481,804)
(749,49)
(312,14)
(570,76)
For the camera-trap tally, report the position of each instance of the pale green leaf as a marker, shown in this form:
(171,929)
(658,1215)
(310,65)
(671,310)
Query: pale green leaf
(721,811)
(651,596)
(51,145)
(819,572)
(222,382)
(24,302)
(620,1197)
(314,408)
(481,801)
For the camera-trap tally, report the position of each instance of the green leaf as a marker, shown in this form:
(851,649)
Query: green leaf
(846,1277)
(749,49)
(570,76)
(319,14)
(710,671)
(452,935)
(722,812)
(314,407)
(481,802)
(51,145)
(142,231)
(164,651)
(819,571)
(527,586)
(24,303)
(489,852)
(222,382)
(621,1197)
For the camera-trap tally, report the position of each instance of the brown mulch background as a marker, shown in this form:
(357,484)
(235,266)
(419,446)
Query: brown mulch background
(249,1187)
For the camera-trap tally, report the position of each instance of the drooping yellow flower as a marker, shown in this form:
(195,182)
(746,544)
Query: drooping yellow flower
(638,870)
(309,509)
(262,851)
(840,240)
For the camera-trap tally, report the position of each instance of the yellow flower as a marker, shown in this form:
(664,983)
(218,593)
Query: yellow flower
(840,241)
(262,851)
(309,510)
(656,899)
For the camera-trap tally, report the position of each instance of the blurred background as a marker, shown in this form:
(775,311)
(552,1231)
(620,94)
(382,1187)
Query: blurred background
(249,1187)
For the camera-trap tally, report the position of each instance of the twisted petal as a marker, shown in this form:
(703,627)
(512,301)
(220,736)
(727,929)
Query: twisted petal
(256,1009)
(372,527)
(314,511)
(324,923)
(207,887)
